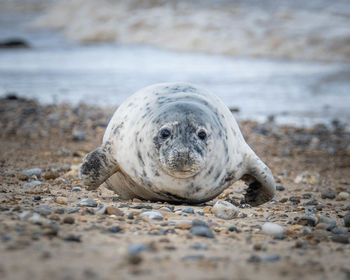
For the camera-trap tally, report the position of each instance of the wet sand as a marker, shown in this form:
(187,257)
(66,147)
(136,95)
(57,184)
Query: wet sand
(46,235)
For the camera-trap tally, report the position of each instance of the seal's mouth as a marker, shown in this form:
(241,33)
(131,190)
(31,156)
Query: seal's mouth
(182,174)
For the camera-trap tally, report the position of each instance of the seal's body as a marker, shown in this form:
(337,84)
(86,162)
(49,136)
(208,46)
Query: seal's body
(175,142)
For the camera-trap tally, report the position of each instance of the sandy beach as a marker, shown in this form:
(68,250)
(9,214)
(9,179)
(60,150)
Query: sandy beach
(48,230)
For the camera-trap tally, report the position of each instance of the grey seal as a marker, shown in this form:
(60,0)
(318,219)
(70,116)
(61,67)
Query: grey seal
(175,142)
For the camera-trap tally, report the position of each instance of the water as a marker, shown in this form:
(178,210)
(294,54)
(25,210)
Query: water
(55,71)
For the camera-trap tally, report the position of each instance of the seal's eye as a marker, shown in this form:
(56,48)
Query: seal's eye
(165,133)
(202,135)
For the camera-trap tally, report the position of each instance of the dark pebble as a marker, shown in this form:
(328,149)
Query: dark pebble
(254,259)
(310,220)
(13,44)
(197,222)
(340,238)
(88,202)
(337,230)
(68,220)
(202,231)
(72,238)
(37,198)
(307,195)
(188,210)
(233,229)
(328,194)
(311,203)
(272,258)
(284,200)
(347,219)
(280,188)
(114,229)
(294,200)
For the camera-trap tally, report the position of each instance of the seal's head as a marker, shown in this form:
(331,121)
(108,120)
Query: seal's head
(182,139)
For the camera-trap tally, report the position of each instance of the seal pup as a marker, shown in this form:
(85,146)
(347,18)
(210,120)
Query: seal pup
(175,142)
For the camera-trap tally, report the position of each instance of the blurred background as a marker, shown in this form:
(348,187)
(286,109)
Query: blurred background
(286,59)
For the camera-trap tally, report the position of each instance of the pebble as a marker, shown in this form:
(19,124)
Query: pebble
(52,174)
(166,209)
(328,194)
(330,223)
(311,203)
(76,189)
(280,188)
(272,258)
(114,229)
(203,231)
(79,135)
(224,210)
(338,230)
(198,246)
(188,210)
(254,259)
(183,225)
(101,210)
(61,200)
(197,222)
(272,229)
(207,210)
(110,210)
(152,215)
(32,184)
(347,219)
(340,238)
(44,210)
(68,220)
(72,238)
(31,172)
(88,202)
(233,229)
(137,248)
(310,220)
(342,196)
(307,177)
(192,258)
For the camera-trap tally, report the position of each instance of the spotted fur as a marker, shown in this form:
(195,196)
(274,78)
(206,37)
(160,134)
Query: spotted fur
(180,164)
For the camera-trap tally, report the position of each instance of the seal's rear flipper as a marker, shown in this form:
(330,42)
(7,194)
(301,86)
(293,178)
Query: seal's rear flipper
(261,185)
(98,166)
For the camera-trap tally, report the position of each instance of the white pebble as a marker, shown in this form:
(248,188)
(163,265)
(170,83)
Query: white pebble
(224,210)
(152,215)
(272,228)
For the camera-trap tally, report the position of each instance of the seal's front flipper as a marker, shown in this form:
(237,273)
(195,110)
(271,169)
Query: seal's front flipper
(258,177)
(98,166)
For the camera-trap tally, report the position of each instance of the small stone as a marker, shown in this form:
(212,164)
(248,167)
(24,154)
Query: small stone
(183,225)
(192,258)
(294,199)
(110,210)
(280,188)
(307,177)
(224,210)
(197,222)
(51,175)
(311,203)
(72,238)
(33,184)
(101,210)
(330,223)
(272,229)
(340,238)
(254,259)
(78,135)
(44,210)
(54,217)
(202,231)
(347,219)
(61,200)
(233,229)
(188,210)
(88,202)
(114,229)
(152,215)
(37,198)
(307,195)
(166,209)
(76,189)
(137,248)
(32,172)
(207,210)
(328,194)
(68,220)
(337,230)
(198,246)
(283,200)
(272,258)
(310,220)
(342,196)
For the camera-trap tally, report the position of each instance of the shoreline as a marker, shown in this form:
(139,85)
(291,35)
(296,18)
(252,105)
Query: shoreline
(44,232)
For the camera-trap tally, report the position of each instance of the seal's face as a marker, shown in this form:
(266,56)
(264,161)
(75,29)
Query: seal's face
(182,140)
